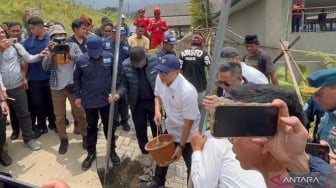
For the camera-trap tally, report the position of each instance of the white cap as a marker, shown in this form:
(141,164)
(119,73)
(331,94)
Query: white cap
(122,16)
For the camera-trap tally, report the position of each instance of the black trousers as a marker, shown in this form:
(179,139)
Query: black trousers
(123,111)
(161,172)
(141,114)
(92,116)
(40,103)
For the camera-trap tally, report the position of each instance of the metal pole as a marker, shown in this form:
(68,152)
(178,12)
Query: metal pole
(220,34)
(113,91)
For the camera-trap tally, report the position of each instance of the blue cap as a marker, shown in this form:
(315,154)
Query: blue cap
(94,45)
(170,38)
(322,78)
(168,62)
(122,30)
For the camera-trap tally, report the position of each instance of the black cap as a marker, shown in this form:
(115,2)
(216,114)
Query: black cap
(138,57)
(251,39)
(228,52)
(35,20)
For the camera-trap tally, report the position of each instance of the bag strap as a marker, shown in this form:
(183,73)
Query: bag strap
(17,51)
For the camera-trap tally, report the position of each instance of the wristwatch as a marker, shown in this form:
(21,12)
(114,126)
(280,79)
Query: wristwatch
(180,145)
(3,100)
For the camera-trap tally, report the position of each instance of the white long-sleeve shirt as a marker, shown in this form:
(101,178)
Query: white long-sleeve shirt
(216,167)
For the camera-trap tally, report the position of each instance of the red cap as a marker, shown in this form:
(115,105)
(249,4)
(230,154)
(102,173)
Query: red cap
(141,10)
(86,19)
(197,38)
(157,10)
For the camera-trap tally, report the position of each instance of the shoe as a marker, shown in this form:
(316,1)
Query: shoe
(52,126)
(88,161)
(67,123)
(15,135)
(34,145)
(146,160)
(154,183)
(85,143)
(37,134)
(76,132)
(5,159)
(63,146)
(44,129)
(126,127)
(115,158)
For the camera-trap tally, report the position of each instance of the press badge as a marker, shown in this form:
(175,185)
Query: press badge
(107,61)
(108,46)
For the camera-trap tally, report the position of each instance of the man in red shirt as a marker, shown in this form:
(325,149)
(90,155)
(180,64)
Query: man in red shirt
(157,27)
(297,9)
(141,19)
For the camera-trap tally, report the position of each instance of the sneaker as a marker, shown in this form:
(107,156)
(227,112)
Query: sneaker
(63,146)
(5,159)
(126,127)
(85,143)
(115,158)
(146,160)
(15,135)
(34,145)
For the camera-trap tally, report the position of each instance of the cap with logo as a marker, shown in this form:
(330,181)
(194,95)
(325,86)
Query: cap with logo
(168,62)
(170,38)
(94,45)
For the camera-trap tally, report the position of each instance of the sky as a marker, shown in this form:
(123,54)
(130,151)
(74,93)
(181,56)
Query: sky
(132,4)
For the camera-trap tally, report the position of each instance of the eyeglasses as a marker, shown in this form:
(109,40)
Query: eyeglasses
(225,83)
(108,31)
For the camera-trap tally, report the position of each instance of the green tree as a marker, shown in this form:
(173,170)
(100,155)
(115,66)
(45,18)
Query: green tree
(201,12)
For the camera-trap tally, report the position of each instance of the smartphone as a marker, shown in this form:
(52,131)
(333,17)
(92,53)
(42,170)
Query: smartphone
(13,40)
(245,119)
(13,183)
(318,150)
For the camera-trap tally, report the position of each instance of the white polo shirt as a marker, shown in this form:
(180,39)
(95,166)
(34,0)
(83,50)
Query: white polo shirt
(180,102)
(253,75)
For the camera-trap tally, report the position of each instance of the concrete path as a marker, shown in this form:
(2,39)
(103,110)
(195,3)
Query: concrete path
(40,166)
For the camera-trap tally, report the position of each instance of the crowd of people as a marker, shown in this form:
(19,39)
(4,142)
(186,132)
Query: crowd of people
(38,74)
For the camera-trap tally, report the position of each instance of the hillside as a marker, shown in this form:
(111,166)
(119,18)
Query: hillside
(60,10)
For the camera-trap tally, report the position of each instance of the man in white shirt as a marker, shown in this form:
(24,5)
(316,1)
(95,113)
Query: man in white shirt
(179,99)
(215,165)
(250,73)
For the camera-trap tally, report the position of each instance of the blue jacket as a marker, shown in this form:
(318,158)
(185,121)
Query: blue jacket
(93,79)
(131,79)
(328,121)
(161,52)
(109,45)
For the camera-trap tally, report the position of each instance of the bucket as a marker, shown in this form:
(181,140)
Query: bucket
(161,148)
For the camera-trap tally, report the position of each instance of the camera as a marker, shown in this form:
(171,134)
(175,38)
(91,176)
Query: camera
(60,47)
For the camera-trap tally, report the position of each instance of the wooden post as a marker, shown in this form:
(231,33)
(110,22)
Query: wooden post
(291,72)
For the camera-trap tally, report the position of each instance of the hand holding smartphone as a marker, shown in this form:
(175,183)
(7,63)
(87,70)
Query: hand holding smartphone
(13,40)
(244,119)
